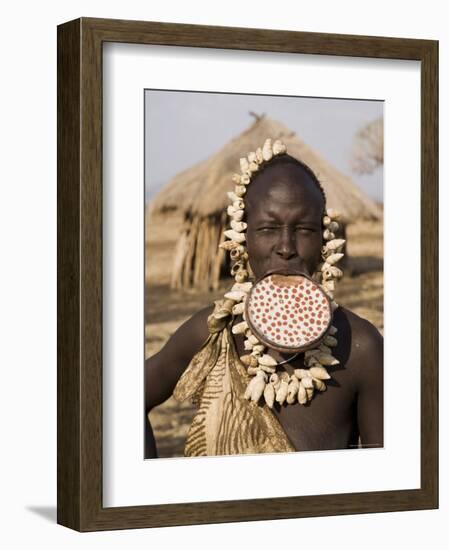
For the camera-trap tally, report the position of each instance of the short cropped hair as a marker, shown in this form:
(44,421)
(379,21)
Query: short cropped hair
(285,159)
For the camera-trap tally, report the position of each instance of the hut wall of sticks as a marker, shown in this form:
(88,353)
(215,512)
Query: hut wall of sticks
(199,196)
(198,260)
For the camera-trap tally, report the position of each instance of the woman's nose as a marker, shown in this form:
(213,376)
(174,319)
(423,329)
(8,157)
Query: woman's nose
(286,246)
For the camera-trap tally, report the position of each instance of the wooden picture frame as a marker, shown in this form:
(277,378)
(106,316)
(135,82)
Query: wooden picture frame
(79,221)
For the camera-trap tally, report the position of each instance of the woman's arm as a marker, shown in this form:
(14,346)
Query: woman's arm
(163,370)
(370,402)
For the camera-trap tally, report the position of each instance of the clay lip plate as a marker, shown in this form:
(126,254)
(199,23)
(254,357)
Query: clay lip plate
(282,278)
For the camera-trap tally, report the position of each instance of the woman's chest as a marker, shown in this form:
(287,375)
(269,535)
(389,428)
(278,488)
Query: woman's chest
(328,421)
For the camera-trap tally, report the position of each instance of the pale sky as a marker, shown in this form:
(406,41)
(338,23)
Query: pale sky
(183,128)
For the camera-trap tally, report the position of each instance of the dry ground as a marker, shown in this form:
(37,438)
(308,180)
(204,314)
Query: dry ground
(360,290)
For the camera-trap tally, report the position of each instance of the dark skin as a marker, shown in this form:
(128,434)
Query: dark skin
(283,210)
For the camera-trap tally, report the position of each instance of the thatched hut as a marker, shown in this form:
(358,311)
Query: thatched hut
(199,195)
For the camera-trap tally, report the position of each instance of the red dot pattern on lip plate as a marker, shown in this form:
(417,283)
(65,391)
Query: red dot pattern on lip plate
(282,304)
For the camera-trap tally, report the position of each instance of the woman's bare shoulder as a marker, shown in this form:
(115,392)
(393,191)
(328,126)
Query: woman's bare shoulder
(189,336)
(362,330)
(163,369)
(364,346)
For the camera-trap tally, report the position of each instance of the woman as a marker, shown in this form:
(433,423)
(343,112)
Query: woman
(282,206)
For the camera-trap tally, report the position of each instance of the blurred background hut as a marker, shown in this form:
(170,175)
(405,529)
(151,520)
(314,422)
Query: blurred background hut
(192,206)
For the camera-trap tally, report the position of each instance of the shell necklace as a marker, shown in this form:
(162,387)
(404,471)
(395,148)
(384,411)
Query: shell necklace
(289,359)
(266,382)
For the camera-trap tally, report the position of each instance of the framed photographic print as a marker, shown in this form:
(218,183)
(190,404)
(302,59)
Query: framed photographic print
(247,274)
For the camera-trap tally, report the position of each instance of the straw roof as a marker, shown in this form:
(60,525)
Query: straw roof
(201,189)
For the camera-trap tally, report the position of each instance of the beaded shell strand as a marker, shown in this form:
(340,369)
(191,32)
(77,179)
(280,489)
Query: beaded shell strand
(266,382)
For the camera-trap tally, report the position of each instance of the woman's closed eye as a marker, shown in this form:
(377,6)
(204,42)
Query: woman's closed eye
(268,228)
(300,228)
(305,229)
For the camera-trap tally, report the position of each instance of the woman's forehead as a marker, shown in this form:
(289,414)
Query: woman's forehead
(282,192)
